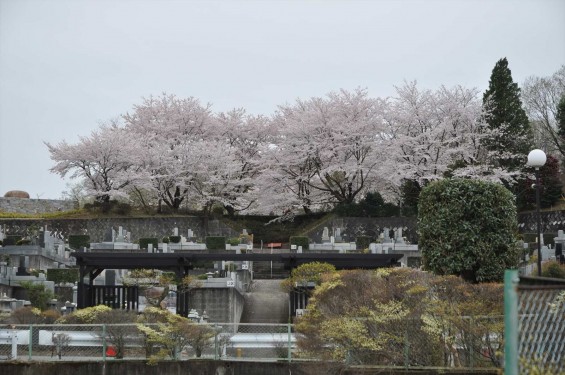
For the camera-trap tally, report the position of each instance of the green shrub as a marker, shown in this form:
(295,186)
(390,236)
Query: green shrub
(11,240)
(216,243)
(363,242)
(300,241)
(166,239)
(38,294)
(62,275)
(234,241)
(174,239)
(122,208)
(78,241)
(373,205)
(553,270)
(143,242)
(468,228)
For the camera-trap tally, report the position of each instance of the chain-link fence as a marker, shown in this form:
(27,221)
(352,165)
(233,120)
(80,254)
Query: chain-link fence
(535,325)
(541,329)
(460,342)
(429,341)
(129,341)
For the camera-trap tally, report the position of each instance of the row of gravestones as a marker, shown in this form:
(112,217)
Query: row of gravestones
(388,235)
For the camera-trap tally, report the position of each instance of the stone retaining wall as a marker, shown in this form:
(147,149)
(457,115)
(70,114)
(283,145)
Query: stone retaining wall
(34,206)
(138,227)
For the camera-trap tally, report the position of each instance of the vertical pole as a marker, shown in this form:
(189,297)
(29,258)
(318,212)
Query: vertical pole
(30,346)
(539,221)
(471,343)
(215,342)
(80,289)
(289,343)
(104,342)
(406,348)
(14,344)
(510,323)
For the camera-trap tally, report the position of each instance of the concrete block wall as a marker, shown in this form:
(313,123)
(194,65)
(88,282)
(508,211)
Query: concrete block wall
(223,305)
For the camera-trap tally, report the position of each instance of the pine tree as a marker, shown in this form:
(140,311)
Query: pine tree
(504,113)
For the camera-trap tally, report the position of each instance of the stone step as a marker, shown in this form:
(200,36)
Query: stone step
(266,302)
(263,270)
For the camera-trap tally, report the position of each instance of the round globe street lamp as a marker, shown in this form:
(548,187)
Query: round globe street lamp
(537,159)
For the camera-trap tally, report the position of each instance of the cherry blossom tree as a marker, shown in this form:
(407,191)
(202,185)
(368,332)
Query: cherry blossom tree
(430,135)
(239,139)
(101,160)
(165,129)
(309,155)
(327,146)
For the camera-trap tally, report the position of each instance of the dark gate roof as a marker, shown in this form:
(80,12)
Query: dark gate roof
(119,260)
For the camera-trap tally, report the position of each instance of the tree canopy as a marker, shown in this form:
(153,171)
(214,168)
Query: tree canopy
(313,154)
(504,113)
(468,228)
(374,317)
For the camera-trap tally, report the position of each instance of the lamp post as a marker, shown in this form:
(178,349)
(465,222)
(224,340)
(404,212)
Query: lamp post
(537,159)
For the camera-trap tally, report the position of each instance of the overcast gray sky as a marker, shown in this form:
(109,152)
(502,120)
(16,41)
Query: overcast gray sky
(67,66)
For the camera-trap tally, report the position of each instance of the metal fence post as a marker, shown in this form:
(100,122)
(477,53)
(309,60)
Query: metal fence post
(471,343)
(104,342)
(510,322)
(30,344)
(289,343)
(406,349)
(216,341)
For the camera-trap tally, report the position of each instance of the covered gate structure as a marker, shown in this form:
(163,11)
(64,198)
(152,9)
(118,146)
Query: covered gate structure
(92,264)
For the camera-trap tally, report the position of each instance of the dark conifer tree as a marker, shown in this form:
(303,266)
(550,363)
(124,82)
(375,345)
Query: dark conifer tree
(550,184)
(504,112)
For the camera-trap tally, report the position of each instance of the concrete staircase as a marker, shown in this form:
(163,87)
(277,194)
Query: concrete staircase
(262,270)
(265,303)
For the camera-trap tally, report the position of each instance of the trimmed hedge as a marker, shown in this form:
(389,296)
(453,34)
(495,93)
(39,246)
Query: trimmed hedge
(300,241)
(62,275)
(174,239)
(363,242)
(468,228)
(216,243)
(10,240)
(78,241)
(143,242)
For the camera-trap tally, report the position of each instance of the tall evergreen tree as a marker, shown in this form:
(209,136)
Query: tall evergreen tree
(550,185)
(504,113)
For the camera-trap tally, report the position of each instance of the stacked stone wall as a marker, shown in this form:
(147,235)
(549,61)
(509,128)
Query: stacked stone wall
(34,206)
(158,227)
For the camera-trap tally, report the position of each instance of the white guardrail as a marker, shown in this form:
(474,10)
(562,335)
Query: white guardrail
(15,337)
